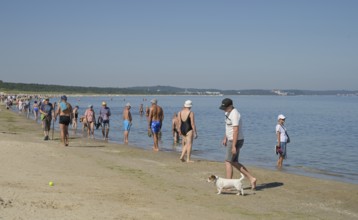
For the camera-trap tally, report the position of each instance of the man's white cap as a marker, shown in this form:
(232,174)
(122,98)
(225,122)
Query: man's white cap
(154,101)
(280,116)
(128,105)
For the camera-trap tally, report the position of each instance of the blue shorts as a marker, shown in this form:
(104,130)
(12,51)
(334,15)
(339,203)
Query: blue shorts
(283,149)
(229,156)
(156,126)
(126,125)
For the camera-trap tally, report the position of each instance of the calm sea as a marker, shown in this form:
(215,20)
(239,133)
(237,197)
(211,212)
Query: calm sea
(323,130)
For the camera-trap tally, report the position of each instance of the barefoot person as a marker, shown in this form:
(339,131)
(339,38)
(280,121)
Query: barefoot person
(155,120)
(141,110)
(46,111)
(282,140)
(104,113)
(75,118)
(90,117)
(127,122)
(175,128)
(187,130)
(35,108)
(64,110)
(234,140)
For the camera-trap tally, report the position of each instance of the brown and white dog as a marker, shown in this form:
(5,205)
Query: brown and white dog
(84,123)
(222,183)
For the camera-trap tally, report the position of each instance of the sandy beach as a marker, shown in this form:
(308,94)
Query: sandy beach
(98,180)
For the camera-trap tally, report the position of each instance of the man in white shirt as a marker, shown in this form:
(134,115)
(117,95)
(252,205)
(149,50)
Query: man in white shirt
(234,140)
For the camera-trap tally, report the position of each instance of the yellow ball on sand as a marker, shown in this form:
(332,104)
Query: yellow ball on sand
(50,183)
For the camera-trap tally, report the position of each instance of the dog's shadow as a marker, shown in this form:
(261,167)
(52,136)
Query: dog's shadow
(264,186)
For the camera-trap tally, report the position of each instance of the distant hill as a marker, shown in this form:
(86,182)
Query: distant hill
(8,87)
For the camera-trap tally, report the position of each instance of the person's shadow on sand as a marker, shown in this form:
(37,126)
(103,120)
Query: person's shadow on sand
(267,186)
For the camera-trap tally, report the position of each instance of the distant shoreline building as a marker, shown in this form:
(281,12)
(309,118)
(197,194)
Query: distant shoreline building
(279,92)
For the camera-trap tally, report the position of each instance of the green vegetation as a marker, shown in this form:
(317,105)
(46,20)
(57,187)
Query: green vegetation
(152,90)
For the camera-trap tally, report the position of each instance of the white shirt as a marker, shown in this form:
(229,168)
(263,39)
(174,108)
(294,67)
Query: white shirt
(281,129)
(233,119)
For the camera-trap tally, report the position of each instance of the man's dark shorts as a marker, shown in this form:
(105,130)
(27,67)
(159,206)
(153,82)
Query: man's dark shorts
(229,156)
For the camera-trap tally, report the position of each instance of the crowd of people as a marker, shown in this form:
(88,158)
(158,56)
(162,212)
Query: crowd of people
(184,129)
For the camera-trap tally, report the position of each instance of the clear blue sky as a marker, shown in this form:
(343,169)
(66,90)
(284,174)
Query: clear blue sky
(221,44)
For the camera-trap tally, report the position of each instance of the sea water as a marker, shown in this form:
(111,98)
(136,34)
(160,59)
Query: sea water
(323,130)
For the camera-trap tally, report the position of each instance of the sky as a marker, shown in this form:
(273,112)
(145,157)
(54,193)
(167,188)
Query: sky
(206,44)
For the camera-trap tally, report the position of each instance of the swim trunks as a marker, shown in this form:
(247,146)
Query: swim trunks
(126,125)
(65,120)
(36,109)
(156,126)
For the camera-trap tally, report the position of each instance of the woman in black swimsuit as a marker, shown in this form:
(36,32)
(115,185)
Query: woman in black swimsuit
(187,130)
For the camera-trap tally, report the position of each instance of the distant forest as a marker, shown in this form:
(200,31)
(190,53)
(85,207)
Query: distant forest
(7,87)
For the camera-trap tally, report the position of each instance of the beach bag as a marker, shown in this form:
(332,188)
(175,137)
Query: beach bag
(288,137)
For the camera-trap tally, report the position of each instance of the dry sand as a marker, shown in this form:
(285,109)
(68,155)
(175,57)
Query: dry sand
(98,180)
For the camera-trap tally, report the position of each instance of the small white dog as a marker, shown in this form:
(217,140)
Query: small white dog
(222,183)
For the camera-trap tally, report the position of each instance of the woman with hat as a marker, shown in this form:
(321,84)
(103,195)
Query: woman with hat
(187,130)
(282,140)
(90,120)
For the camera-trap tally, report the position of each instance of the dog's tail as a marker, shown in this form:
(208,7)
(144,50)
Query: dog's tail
(242,177)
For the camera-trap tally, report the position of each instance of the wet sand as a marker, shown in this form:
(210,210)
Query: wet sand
(98,180)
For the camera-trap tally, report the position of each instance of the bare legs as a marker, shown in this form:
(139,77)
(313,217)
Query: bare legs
(64,134)
(187,146)
(279,162)
(125,135)
(242,169)
(156,140)
(90,128)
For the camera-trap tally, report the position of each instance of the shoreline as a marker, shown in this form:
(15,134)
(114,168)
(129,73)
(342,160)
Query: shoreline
(298,170)
(99,180)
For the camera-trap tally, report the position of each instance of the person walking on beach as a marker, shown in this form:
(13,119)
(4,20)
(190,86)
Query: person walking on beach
(147,111)
(104,113)
(64,110)
(175,128)
(46,111)
(35,108)
(282,140)
(141,110)
(187,130)
(90,117)
(127,122)
(155,120)
(234,140)
(75,117)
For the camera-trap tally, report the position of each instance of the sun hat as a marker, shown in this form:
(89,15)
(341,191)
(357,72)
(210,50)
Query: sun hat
(154,101)
(104,103)
(90,106)
(280,116)
(188,104)
(128,105)
(225,103)
(64,97)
